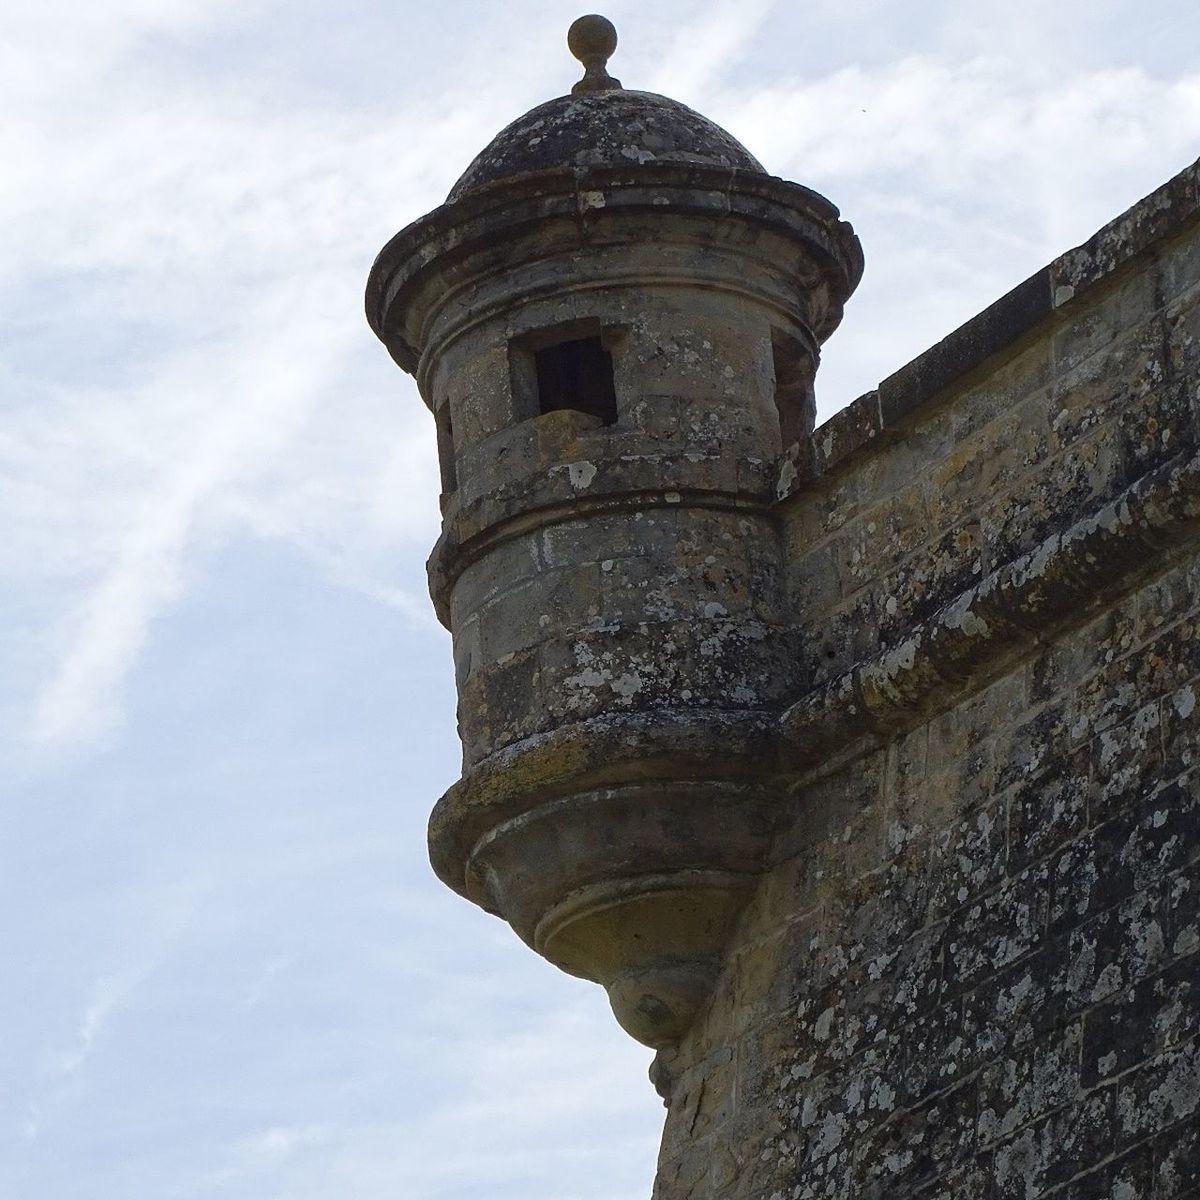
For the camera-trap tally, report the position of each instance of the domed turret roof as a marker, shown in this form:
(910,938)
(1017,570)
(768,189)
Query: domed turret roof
(610,128)
(602,125)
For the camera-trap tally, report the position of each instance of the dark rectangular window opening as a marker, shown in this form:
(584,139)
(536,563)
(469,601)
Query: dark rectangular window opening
(794,395)
(577,375)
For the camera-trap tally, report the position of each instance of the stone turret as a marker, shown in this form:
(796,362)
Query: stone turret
(615,319)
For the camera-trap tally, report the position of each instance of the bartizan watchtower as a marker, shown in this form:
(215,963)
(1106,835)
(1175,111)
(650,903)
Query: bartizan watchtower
(860,766)
(615,318)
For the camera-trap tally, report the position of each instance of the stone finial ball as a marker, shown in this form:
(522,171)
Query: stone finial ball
(592,37)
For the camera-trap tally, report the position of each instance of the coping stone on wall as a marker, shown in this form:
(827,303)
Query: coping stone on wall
(1064,283)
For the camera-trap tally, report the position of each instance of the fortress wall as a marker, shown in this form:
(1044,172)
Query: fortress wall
(974,969)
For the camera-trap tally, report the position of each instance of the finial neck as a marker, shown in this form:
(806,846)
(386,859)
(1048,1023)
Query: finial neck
(595,79)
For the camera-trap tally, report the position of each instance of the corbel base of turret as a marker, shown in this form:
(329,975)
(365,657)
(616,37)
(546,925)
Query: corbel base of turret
(623,851)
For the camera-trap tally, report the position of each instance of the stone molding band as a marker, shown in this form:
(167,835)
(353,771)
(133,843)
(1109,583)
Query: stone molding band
(508,208)
(963,644)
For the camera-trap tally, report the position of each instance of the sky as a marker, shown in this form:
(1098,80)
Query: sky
(225,706)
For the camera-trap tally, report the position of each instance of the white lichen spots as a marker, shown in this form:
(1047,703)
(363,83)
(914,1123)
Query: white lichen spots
(805,1069)
(891,607)
(1184,701)
(671,497)
(823,1025)
(959,616)
(606,565)
(1187,941)
(592,199)
(1109,748)
(627,685)
(833,1129)
(1036,563)
(877,966)
(1107,519)
(897,1162)
(901,658)
(712,610)
(589,677)
(1177,1097)
(883,1096)
(1132,737)
(638,154)
(898,836)
(787,476)
(1108,981)
(1011,1000)
(581,474)
(1063,293)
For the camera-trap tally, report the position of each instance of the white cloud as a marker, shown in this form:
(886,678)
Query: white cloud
(703,50)
(961,178)
(166,912)
(236,239)
(525,1097)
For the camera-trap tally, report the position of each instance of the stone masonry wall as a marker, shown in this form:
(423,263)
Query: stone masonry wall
(974,971)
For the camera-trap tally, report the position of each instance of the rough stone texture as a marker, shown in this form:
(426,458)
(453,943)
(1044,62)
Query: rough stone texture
(974,967)
(604,129)
(861,765)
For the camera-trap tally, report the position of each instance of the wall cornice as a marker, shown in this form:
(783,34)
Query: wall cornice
(982,629)
(1053,293)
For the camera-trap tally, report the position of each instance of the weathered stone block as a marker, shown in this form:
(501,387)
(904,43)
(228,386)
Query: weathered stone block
(998,929)
(1053,1150)
(1115,949)
(1130,1177)
(1164,1092)
(1151,1017)
(1176,1158)
(1123,306)
(1018,1090)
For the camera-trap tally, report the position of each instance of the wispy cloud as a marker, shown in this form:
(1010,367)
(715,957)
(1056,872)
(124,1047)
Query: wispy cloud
(227,244)
(961,177)
(522,1097)
(708,47)
(245,408)
(168,912)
